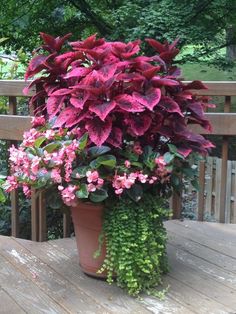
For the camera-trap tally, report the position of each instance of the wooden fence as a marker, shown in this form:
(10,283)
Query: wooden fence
(12,127)
(210,181)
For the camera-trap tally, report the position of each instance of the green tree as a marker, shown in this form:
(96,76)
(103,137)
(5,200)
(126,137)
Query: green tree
(201,23)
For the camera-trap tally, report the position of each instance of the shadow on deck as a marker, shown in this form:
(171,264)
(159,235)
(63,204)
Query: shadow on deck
(45,277)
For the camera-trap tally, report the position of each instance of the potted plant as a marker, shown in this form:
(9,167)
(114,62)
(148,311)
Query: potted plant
(110,139)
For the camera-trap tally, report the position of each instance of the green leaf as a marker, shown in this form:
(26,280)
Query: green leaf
(83,141)
(53,200)
(195,184)
(168,157)
(176,182)
(83,191)
(38,142)
(98,196)
(81,171)
(52,147)
(172,148)
(137,164)
(106,160)
(2,196)
(96,151)
(135,192)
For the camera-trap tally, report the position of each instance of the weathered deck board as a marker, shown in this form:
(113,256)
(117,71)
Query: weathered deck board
(46,278)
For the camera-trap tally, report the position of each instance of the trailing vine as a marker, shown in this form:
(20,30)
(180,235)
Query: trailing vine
(136,243)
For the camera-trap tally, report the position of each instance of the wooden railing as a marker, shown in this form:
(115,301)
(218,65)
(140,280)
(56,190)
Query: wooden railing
(12,127)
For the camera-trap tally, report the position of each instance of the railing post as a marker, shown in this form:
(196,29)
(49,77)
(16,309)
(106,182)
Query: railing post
(201,190)
(225,147)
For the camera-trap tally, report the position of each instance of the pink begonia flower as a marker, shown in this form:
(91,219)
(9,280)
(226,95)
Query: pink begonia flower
(68,195)
(38,121)
(91,187)
(100,182)
(92,176)
(49,134)
(30,136)
(26,190)
(127,164)
(152,180)
(160,162)
(12,183)
(35,164)
(119,191)
(56,176)
(142,178)
(137,148)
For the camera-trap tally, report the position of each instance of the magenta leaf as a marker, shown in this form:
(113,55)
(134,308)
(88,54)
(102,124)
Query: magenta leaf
(77,72)
(79,100)
(169,105)
(139,124)
(115,137)
(36,65)
(158,82)
(68,115)
(98,130)
(150,99)
(128,103)
(155,44)
(61,92)
(195,85)
(54,105)
(102,109)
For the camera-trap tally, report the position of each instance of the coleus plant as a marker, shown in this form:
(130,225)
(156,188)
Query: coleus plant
(115,93)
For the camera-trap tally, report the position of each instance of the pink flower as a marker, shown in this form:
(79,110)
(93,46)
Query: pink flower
(68,195)
(56,176)
(38,121)
(142,178)
(127,164)
(26,190)
(49,134)
(35,165)
(119,191)
(100,183)
(10,184)
(137,148)
(92,176)
(160,162)
(91,187)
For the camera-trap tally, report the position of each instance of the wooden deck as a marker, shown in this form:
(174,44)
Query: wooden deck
(45,277)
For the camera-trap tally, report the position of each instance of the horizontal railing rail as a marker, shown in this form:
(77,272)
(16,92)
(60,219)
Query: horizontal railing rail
(12,127)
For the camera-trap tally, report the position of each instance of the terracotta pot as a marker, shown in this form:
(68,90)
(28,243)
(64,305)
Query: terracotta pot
(87,219)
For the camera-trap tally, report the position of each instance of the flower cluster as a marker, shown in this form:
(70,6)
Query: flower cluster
(57,158)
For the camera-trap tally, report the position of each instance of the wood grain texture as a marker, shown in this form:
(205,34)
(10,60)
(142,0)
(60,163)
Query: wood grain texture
(12,127)
(14,88)
(45,277)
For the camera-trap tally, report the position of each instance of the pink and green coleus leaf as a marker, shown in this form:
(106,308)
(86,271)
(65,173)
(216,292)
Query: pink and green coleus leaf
(150,99)
(98,130)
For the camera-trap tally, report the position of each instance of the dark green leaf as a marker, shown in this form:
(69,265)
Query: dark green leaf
(96,151)
(168,157)
(106,160)
(81,171)
(83,191)
(135,192)
(172,148)
(83,141)
(98,196)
